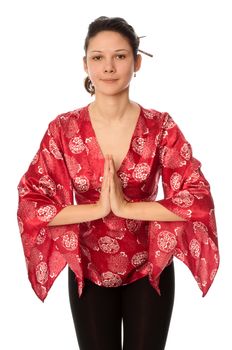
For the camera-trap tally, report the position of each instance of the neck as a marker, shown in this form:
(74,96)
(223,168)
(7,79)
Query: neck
(111,109)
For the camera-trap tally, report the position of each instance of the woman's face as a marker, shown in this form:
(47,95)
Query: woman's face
(110,63)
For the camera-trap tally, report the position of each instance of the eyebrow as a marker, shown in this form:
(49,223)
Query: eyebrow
(114,51)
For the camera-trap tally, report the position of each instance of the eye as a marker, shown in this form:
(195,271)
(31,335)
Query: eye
(96,58)
(121,56)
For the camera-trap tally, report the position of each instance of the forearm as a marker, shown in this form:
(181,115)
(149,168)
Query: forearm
(148,211)
(74,214)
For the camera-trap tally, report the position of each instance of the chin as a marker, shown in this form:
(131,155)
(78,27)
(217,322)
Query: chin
(110,91)
(113,93)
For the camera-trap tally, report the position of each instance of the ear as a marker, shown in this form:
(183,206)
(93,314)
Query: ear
(85,65)
(138,62)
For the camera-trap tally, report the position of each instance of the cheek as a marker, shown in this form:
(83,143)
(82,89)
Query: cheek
(128,69)
(94,70)
(128,72)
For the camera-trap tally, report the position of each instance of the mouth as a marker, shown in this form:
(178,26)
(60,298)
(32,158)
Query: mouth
(109,80)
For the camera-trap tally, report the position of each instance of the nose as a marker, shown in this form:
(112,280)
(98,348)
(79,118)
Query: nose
(109,67)
(109,70)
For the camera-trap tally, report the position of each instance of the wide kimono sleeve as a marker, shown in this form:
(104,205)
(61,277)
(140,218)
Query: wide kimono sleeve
(187,194)
(44,190)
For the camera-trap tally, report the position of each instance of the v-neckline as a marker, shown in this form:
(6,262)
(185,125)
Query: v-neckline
(132,137)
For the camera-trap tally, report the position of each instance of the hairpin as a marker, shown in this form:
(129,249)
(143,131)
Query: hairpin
(145,53)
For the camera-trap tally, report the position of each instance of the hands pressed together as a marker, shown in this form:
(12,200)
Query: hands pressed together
(112,197)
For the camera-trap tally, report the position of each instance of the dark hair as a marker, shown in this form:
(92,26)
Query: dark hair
(114,24)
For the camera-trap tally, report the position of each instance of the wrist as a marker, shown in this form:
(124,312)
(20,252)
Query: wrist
(100,212)
(124,211)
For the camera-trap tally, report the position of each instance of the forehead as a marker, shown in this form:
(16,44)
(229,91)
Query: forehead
(107,41)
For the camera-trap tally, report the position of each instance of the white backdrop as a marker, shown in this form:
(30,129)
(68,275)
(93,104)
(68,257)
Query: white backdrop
(41,76)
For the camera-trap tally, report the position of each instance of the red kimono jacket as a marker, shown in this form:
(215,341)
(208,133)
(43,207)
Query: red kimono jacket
(113,251)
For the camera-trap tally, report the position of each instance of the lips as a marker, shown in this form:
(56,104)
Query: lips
(109,80)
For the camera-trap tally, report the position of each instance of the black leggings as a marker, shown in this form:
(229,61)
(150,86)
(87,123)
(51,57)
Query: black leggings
(98,314)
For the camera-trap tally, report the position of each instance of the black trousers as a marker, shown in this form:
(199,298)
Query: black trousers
(146,316)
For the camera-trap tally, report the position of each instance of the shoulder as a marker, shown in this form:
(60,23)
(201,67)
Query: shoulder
(157,118)
(68,123)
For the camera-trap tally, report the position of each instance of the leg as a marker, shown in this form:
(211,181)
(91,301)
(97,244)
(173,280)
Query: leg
(146,315)
(96,315)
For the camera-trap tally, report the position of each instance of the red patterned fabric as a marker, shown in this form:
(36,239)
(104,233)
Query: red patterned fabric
(114,251)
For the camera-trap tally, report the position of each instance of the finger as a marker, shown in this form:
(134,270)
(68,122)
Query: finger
(107,183)
(105,180)
(112,167)
(117,184)
(112,184)
(106,159)
(106,164)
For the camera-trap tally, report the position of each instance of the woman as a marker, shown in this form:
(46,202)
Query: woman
(117,240)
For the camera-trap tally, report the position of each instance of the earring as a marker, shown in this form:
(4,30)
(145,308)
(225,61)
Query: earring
(134,74)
